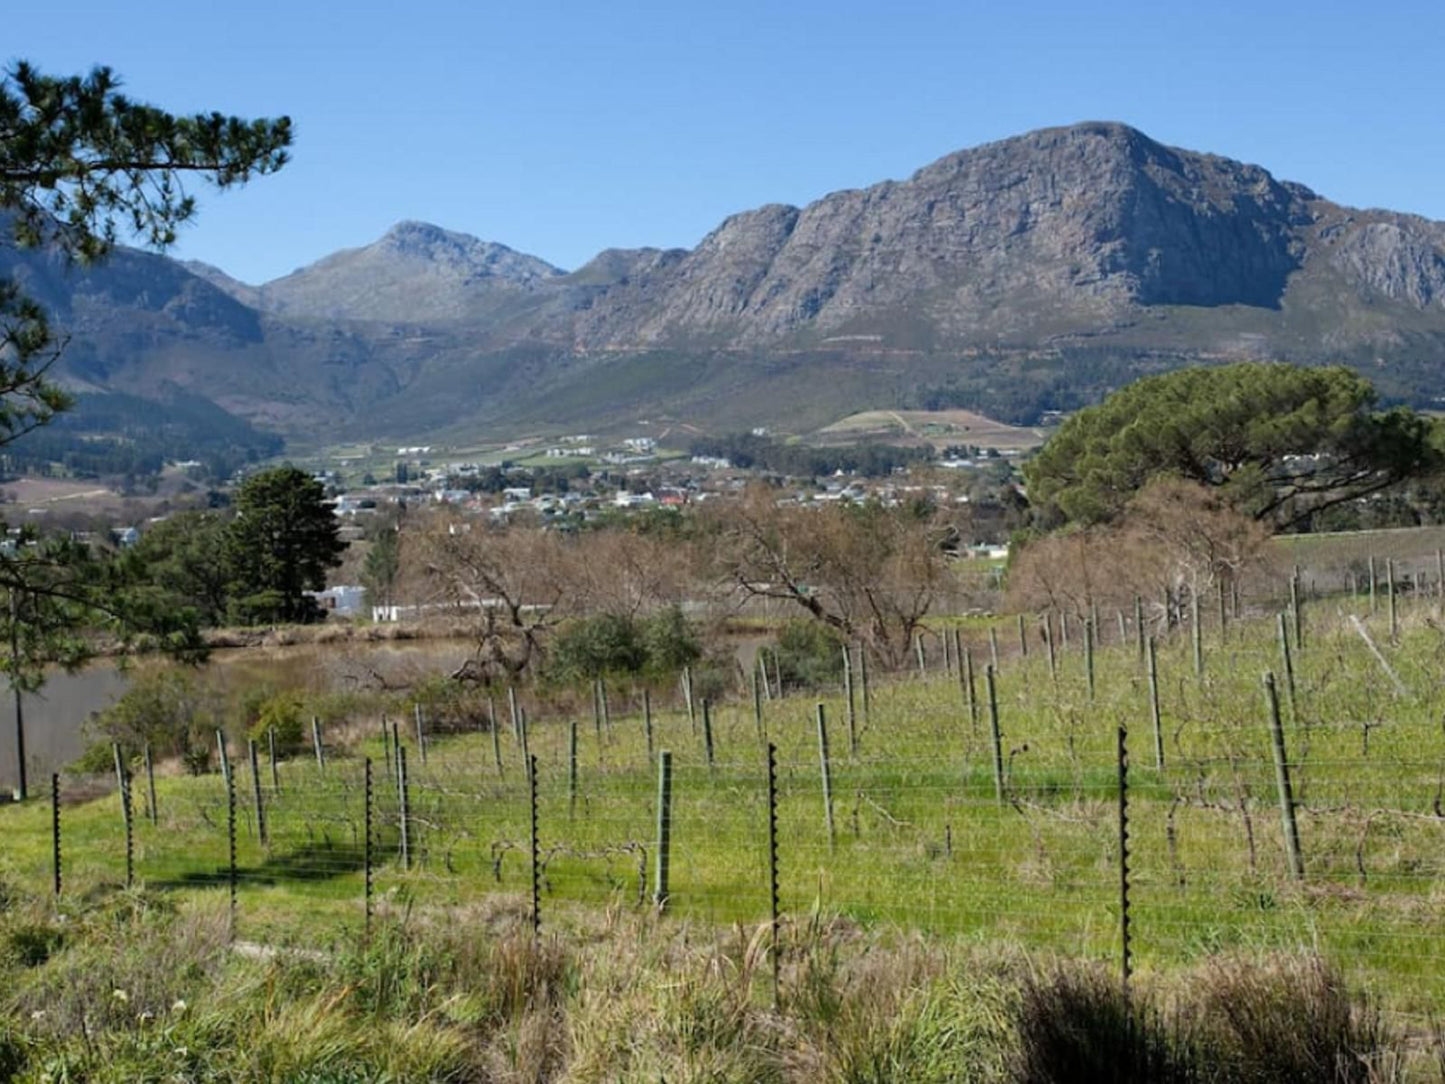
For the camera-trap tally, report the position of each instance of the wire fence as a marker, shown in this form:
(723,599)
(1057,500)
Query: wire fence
(1305,810)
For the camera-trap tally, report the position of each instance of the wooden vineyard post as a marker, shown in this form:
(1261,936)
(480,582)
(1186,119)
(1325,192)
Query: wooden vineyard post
(1282,782)
(995,734)
(1196,631)
(1287,661)
(1390,590)
(757,692)
(403,806)
(827,770)
(151,811)
(1139,625)
(256,791)
(123,778)
(1155,717)
(231,873)
(970,692)
(687,695)
(496,736)
(316,744)
(1297,608)
(707,732)
(863,679)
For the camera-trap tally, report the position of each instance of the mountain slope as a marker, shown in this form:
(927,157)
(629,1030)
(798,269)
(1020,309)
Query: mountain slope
(416,271)
(1033,273)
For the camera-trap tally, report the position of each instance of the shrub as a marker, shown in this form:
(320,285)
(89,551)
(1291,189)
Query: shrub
(284,713)
(166,707)
(589,647)
(449,705)
(670,641)
(1075,1025)
(809,655)
(30,944)
(1286,1020)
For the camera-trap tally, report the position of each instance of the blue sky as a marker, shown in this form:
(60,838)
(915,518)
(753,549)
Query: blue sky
(561,129)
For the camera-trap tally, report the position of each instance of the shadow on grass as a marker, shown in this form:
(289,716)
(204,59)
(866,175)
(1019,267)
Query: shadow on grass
(311,862)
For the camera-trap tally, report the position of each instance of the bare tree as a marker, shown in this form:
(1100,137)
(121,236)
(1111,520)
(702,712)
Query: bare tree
(870,572)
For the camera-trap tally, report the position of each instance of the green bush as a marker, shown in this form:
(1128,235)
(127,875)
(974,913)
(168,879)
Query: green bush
(670,641)
(30,944)
(590,647)
(285,713)
(448,705)
(809,655)
(168,708)
(98,758)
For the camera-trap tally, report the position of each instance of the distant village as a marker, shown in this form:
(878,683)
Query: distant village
(580,479)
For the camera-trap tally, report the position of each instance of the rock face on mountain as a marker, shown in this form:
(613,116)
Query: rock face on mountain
(1088,221)
(1029,274)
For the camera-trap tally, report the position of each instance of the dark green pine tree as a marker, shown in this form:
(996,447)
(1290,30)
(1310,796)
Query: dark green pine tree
(80,164)
(281,544)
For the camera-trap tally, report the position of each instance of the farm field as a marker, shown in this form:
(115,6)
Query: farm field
(925,836)
(935,427)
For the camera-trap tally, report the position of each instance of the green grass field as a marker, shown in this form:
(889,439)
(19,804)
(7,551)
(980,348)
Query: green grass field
(921,840)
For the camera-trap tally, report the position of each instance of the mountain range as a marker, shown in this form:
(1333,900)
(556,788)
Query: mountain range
(1026,275)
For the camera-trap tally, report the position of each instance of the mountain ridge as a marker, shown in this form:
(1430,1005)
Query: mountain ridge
(1030,273)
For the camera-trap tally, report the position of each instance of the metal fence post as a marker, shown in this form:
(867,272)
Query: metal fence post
(1126,962)
(369,885)
(55,830)
(420,732)
(534,847)
(848,698)
(773,871)
(572,768)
